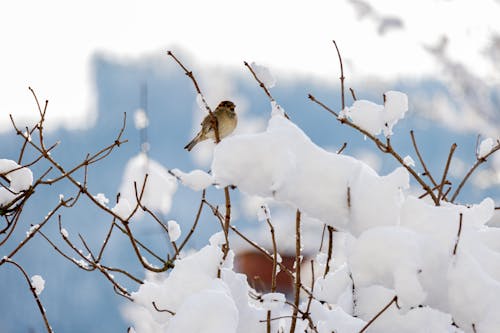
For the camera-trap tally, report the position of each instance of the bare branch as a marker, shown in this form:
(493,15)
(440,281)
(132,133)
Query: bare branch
(342,78)
(353,94)
(479,161)
(275,263)
(162,310)
(193,79)
(195,223)
(35,295)
(330,249)
(458,234)
(32,233)
(445,172)
(426,171)
(344,145)
(298,263)
(261,84)
(393,300)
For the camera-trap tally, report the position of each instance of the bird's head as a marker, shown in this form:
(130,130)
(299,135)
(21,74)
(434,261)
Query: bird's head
(227,105)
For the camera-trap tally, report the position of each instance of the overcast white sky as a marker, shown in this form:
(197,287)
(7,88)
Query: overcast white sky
(48,45)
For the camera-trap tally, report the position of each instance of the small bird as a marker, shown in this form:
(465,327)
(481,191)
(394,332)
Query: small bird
(226,120)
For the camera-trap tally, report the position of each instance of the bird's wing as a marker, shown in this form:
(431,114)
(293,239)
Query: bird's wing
(207,122)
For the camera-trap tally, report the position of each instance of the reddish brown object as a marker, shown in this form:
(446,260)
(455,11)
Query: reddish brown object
(258,269)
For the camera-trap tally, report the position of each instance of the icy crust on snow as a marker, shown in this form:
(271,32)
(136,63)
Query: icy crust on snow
(20,179)
(285,164)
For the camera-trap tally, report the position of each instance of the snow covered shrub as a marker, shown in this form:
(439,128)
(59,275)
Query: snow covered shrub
(371,255)
(396,262)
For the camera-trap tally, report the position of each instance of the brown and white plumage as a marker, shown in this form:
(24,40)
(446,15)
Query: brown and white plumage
(226,120)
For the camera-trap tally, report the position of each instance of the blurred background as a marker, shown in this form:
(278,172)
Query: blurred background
(96,60)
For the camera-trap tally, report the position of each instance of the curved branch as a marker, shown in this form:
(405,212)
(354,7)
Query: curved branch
(35,295)
(479,161)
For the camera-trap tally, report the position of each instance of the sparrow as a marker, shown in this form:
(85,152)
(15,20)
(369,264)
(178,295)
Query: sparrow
(226,120)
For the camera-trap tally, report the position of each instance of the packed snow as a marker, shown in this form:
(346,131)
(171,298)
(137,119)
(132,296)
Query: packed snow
(196,180)
(19,178)
(485,147)
(174,230)
(435,268)
(38,283)
(64,232)
(101,198)
(333,187)
(122,208)
(408,160)
(375,118)
(264,75)
(34,228)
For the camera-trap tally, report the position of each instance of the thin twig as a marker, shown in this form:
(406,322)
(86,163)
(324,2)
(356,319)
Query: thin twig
(189,73)
(313,281)
(423,195)
(275,263)
(266,254)
(35,295)
(303,315)
(393,300)
(445,172)
(261,84)
(162,310)
(348,197)
(458,234)
(353,94)
(342,78)
(479,161)
(298,262)
(157,220)
(330,249)
(64,255)
(426,171)
(322,238)
(91,254)
(193,79)
(195,223)
(344,145)
(227,220)
(105,243)
(92,264)
(33,232)
(167,264)
(353,292)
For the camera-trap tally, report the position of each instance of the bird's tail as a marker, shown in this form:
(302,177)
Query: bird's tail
(192,143)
